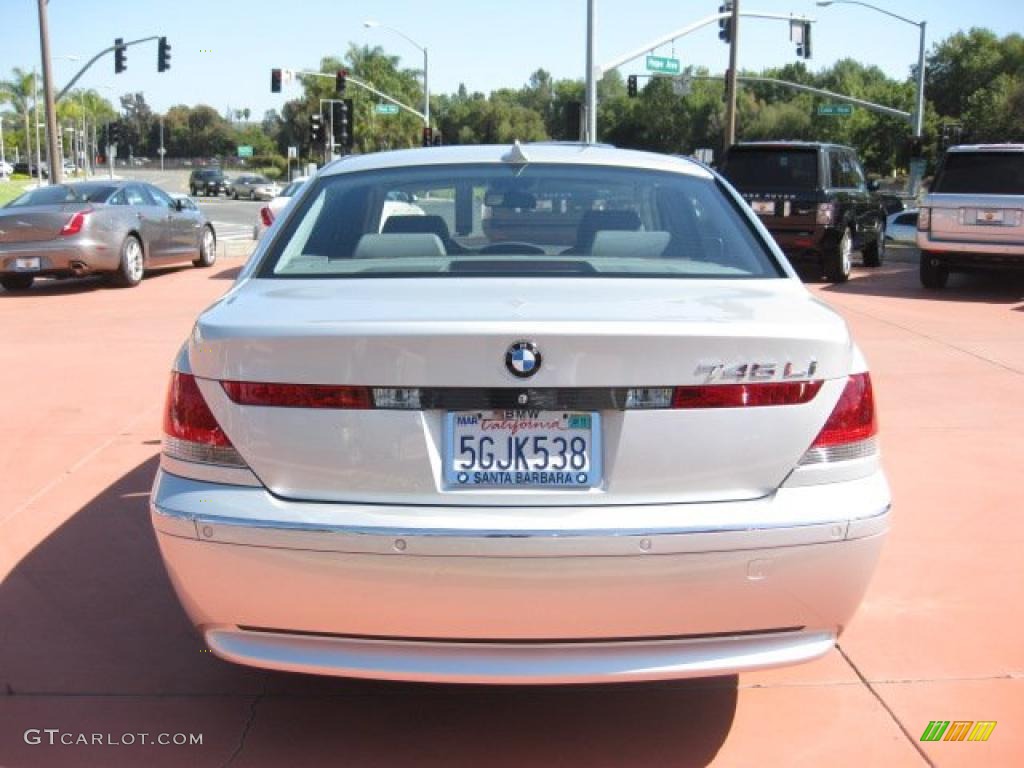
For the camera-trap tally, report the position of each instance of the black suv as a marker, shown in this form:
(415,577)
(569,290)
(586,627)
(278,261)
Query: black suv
(207,181)
(815,201)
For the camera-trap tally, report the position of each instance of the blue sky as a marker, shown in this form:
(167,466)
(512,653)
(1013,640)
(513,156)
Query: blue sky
(223,50)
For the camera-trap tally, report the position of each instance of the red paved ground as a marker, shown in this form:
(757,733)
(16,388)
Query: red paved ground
(92,638)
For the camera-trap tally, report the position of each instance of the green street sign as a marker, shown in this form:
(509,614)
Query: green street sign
(244,151)
(386,109)
(840,110)
(663,65)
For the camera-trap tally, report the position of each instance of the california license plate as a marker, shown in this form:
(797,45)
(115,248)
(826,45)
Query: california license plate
(28,265)
(989,217)
(522,448)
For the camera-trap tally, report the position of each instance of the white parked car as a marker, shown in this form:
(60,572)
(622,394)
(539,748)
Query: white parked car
(625,445)
(973,216)
(6,169)
(267,213)
(901,227)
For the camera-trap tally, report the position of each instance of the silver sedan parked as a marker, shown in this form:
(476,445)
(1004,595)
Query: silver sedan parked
(575,420)
(254,187)
(119,229)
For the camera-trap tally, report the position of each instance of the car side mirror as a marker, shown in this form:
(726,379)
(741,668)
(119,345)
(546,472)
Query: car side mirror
(179,204)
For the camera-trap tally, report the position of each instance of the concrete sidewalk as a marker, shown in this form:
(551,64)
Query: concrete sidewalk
(92,639)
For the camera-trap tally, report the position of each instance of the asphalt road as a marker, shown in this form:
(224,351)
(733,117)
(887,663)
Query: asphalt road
(93,641)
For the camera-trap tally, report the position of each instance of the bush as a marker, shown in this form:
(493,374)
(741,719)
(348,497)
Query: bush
(271,166)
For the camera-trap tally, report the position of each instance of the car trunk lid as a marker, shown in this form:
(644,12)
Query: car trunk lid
(26,224)
(452,336)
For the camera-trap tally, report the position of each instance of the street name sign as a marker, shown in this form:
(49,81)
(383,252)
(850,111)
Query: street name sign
(244,150)
(835,109)
(386,109)
(663,65)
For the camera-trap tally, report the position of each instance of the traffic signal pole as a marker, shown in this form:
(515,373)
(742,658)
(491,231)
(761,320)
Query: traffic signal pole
(730,107)
(56,166)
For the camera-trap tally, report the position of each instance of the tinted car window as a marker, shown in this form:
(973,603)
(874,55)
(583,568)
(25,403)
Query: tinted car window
(137,196)
(47,196)
(769,168)
(984,173)
(843,170)
(161,197)
(538,220)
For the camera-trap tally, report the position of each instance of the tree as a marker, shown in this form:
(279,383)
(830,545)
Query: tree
(136,122)
(19,92)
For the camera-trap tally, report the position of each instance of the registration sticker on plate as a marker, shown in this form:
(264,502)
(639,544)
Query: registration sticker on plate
(522,449)
(29,265)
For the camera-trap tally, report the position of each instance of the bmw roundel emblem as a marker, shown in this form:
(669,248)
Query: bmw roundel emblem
(523,359)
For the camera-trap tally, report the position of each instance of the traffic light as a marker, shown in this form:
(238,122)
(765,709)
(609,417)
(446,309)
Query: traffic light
(725,25)
(428,135)
(163,55)
(437,139)
(316,129)
(275,81)
(340,81)
(631,86)
(803,43)
(120,56)
(113,133)
(344,114)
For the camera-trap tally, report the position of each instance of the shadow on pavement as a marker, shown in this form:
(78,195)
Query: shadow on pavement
(54,287)
(228,274)
(901,281)
(93,640)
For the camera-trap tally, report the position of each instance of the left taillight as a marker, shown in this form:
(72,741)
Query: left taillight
(75,223)
(191,432)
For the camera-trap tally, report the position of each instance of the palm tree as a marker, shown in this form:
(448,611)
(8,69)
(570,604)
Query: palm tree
(19,91)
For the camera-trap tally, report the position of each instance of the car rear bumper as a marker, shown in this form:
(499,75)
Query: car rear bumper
(972,252)
(279,591)
(59,257)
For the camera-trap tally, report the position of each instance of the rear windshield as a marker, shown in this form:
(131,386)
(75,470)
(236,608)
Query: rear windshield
(772,169)
(60,194)
(535,220)
(983,173)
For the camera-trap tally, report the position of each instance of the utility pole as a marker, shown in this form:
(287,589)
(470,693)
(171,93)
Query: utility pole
(590,135)
(39,152)
(162,150)
(730,107)
(56,166)
(919,112)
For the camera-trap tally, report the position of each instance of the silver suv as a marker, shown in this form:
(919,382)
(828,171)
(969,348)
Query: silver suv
(974,215)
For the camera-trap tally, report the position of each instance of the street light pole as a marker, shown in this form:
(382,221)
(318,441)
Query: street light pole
(590,134)
(370,24)
(51,112)
(919,109)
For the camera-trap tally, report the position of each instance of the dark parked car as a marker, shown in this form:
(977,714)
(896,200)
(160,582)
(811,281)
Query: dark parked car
(815,201)
(208,181)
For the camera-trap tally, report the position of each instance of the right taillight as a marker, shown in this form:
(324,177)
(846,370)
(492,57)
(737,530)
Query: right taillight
(75,223)
(826,214)
(924,219)
(191,432)
(266,216)
(850,432)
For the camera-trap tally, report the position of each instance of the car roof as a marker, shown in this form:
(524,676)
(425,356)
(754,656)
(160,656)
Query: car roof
(987,148)
(783,144)
(565,153)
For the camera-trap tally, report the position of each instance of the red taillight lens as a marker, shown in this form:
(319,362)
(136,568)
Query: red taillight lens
(188,417)
(266,216)
(75,223)
(853,418)
(745,395)
(298,395)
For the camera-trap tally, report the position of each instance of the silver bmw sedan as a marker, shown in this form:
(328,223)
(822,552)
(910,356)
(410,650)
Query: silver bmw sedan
(576,421)
(116,228)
